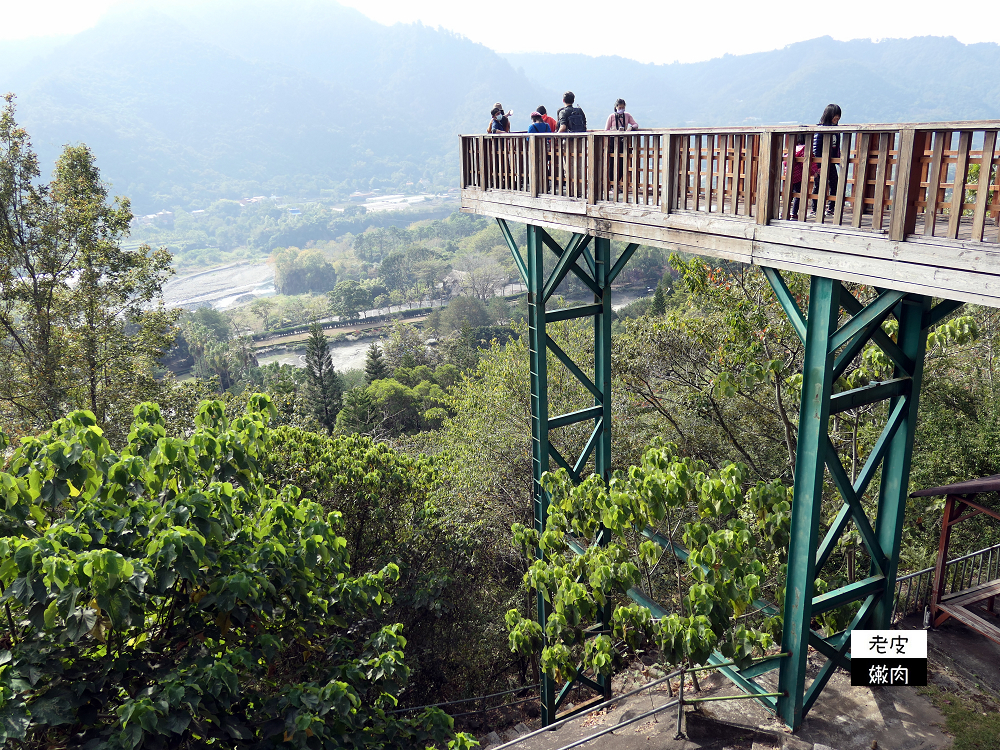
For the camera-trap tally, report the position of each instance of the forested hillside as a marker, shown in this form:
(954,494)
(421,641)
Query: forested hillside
(228,99)
(193,102)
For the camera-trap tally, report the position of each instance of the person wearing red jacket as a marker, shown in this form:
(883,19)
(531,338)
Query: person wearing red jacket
(547,119)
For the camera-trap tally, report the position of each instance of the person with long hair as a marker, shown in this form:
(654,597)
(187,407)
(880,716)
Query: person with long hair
(830,118)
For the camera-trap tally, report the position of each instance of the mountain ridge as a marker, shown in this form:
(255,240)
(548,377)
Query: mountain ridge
(200,101)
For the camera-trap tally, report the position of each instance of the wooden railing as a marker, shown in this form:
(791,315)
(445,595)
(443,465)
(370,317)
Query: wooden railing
(933,181)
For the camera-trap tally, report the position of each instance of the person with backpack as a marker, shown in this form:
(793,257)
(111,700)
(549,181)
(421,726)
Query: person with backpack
(571,119)
(547,119)
(538,124)
(830,118)
(620,119)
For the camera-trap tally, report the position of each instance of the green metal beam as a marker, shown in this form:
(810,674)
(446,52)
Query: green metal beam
(577,271)
(580,415)
(761,667)
(891,455)
(538,367)
(829,543)
(853,501)
(869,394)
(748,686)
(572,366)
(866,320)
(603,275)
(847,594)
(879,337)
(814,416)
(591,264)
(589,447)
(787,302)
(940,311)
(624,258)
(571,313)
(561,460)
(518,260)
(566,260)
(874,460)
(894,487)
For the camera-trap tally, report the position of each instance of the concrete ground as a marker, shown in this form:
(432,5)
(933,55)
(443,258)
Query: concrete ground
(843,718)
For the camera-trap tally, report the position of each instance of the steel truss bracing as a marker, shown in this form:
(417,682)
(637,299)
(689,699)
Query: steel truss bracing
(830,346)
(595,269)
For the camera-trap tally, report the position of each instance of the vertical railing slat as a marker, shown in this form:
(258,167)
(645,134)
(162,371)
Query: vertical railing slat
(881,174)
(983,189)
(934,182)
(859,189)
(786,176)
(845,165)
(824,176)
(958,184)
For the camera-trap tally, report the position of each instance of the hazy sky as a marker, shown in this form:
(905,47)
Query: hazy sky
(650,31)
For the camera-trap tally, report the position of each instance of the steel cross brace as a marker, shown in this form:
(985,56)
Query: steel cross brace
(830,348)
(596,271)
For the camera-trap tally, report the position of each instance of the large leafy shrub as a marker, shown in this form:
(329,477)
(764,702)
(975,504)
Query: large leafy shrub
(168,597)
(452,589)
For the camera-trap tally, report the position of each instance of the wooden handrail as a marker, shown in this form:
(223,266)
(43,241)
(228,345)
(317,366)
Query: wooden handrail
(936,180)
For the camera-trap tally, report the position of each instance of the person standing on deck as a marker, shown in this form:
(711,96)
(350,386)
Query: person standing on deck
(538,124)
(504,120)
(620,119)
(547,119)
(497,121)
(571,119)
(830,118)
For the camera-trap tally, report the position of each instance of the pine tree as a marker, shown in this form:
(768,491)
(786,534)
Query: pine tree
(659,306)
(375,366)
(325,389)
(359,414)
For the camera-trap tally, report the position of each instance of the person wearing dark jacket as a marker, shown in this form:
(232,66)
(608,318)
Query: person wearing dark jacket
(571,119)
(497,121)
(504,119)
(830,118)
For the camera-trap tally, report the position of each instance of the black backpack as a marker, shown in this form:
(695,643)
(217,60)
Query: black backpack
(576,121)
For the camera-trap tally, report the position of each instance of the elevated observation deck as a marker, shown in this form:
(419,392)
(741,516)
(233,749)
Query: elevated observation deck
(912,207)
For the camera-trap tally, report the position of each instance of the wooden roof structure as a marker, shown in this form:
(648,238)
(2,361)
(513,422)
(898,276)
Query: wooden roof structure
(972,605)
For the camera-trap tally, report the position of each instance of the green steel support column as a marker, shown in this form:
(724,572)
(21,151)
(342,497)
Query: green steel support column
(810,464)
(539,425)
(602,379)
(912,339)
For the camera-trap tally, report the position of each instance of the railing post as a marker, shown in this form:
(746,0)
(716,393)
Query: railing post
(767,175)
(669,146)
(533,165)
(591,181)
(942,561)
(907,189)
(481,162)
